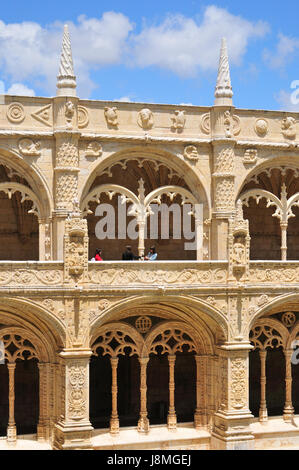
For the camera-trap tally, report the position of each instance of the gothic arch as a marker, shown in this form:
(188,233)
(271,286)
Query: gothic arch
(197,183)
(34,176)
(194,344)
(291,162)
(281,303)
(114,328)
(178,308)
(43,324)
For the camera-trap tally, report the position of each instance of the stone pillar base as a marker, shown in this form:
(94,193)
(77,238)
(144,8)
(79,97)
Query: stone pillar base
(12,435)
(71,437)
(232,432)
(172,422)
(143,425)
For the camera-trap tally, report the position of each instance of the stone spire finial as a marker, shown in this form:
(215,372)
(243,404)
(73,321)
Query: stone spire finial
(66,83)
(224,91)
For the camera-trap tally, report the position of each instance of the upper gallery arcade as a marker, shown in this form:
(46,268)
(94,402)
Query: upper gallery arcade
(63,155)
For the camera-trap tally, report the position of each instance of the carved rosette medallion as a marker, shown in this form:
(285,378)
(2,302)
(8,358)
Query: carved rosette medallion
(83,118)
(16,113)
(261,127)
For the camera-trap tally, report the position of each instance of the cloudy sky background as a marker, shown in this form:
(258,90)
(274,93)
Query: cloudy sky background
(156,51)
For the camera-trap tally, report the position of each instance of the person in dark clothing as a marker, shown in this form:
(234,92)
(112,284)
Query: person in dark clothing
(128,255)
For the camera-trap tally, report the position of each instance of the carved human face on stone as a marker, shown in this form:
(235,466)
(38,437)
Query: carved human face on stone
(146,119)
(111,116)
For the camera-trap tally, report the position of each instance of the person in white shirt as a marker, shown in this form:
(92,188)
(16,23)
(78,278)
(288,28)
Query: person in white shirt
(152,255)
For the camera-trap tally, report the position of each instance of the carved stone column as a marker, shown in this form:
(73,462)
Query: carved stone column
(73,431)
(200,416)
(11,429)
(231,429)
(114,421)
(284,245)
(288,411)
(263,414)
(171,419)
(143,423)
(66,166)
(223,183)
(44,392)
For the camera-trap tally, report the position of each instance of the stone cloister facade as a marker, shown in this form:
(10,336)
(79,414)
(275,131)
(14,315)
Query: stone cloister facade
(204,336)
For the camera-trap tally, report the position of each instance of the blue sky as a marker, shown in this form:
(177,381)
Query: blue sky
(155,51)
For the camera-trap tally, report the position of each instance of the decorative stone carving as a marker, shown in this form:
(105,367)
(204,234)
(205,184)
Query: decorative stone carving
(232,124)
(263,300)
(205,123)
(111,116)
(94,149)
(16,113)
(145,119)
(250,156)
(75,248)
(83,118)
(67,155)
(191,153)
(143,324)
(29,148)
(238,383)
(239,245)
(66,189)
(288,319)
(77,394)
(288,128)
(179,121)
(224,194)
(44,115)
(261,127)
(225,162)
(69,113)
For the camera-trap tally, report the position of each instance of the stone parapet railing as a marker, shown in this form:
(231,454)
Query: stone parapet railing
(31,273)
(176,274)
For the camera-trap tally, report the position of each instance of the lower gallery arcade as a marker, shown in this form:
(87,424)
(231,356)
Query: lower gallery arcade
(148,368)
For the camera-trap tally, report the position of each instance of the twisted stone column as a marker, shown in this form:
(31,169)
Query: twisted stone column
(171,420)
(143,423)
(263,414)
(114,421)
(288,411)
(11,429)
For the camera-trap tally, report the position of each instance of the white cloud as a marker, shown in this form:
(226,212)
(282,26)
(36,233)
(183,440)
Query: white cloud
(285,51)
(181,45)
(19,89)
(124,99)
(30,52)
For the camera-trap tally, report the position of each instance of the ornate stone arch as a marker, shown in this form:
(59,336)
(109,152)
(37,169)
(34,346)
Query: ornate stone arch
(125,335)
(275,334)
(42,323)
(23,341)
(179,332)
(32,173)
(197,183)
(281,303)
(287,162)
(184,308)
